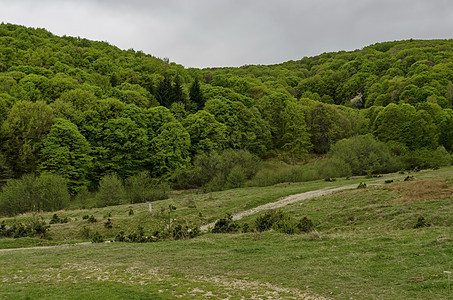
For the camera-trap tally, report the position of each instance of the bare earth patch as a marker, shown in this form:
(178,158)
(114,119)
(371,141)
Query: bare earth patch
(422,190)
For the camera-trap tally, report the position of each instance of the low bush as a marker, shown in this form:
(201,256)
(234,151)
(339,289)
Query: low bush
(111,191)
(108,224)
(218,170)
(30,193)
(282,222)
(421,222)
(176,232)
(57,220)
(143,188)
(305,225)
(97,238)
(364,154)
(36,228)
(226,225)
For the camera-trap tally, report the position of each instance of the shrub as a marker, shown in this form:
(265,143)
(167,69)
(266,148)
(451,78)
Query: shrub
(363,153)
(143,188)
(362,185)
(427,158)
(111,190)
(35,228)
(92,219)
(97,238)
(108,224)
(83,197)
(269,219)
(421,222)
(85,232)
(225,225)
(57,220)
(282,222)
(184,232)
(305,225)
(218,170)
(30,193)
(53,192)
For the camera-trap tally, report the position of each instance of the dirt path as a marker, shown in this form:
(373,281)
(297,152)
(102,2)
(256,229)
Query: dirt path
(272,205)
(46,247)
(287,200)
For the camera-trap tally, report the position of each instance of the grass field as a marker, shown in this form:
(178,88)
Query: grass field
(365,247)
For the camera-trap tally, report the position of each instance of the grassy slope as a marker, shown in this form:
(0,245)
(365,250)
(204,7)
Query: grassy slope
(364,247)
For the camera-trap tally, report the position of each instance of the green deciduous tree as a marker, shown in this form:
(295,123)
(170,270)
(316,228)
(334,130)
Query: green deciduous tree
(169,149)
(403,124)
(22,133)
(66,152)
(296,137)
(206,133)
(125,147)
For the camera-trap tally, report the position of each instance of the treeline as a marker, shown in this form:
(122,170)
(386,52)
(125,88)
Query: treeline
(83,110)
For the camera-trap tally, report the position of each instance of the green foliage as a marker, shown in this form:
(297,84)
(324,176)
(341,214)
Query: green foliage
(305,224)
(105,102)
(35,228)
(111,191)
(421,222)
(169,150)
(225,225)
(97,238)
(22,133)
(206,133)
(427,158)
(327,125)
(5,170)
(364,154)
(196,95)
(282,222)
(218,170)
(57,220)
(125,147)
(66,152)
(30,193)
(403,124)
(143,188)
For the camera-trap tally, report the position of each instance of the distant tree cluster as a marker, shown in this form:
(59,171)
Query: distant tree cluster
(81,110)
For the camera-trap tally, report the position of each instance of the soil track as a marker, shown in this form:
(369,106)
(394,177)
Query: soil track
(46,247)
(285,201)
(272,205)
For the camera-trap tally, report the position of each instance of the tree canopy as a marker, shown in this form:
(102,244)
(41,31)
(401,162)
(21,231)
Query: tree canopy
(84,109)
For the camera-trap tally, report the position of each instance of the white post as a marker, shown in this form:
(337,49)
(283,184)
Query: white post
(149,207)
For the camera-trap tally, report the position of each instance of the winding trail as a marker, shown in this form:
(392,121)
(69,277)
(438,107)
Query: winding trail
(47,247)
(287,200)
(271,205)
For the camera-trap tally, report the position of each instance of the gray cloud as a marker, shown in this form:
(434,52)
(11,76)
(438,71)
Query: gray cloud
(204,33)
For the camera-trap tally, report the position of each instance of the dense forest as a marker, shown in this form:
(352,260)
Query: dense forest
(80,115)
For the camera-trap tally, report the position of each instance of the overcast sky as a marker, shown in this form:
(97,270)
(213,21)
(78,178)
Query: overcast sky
(208,33)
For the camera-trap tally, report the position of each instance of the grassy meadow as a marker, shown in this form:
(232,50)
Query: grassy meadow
(364,246)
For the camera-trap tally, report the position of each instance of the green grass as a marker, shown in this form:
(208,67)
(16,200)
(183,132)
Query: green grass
(364,247)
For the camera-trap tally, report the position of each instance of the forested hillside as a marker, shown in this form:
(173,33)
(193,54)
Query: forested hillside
(73,111)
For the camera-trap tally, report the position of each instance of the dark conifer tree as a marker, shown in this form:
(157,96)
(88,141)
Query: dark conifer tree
(114,79)
(164,92)
(177,94)
(196,96)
